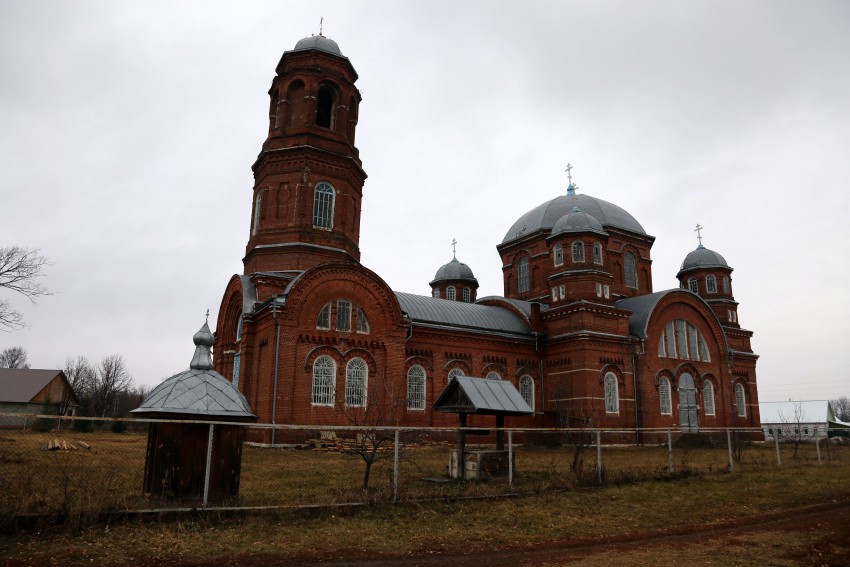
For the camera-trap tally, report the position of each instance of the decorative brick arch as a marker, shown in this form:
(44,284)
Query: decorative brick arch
(495,367)
(456,363)
(365,355)
(621,379)
(418,361)
(323,350)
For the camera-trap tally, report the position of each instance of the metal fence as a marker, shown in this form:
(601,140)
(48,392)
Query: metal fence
(89,467)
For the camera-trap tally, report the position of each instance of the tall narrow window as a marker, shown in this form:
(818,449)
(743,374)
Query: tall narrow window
(356,375)
(325,107)
(597,253)
(682,338)
(416,388)
(612,395)
(664,394)
(493,375)
(523,283)
(343,315)
(725,284)
(708,397)
(323,321)
(437,292)
(740,400)
(578,251)
(692,285)
(258,207)
(710,284)
(450,293)
(467,295)
(631,270)
(526,390)
(236,363)
(559,255)
(323,205)
(324,376)
(362,321)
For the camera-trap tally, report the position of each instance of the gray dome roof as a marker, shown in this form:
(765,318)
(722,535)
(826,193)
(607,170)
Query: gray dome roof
(200,391)
(702,257)
(320,43)
(577,221)
(544,217)
(454,270)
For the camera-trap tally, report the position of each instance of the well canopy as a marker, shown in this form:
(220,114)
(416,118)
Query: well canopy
(466,394)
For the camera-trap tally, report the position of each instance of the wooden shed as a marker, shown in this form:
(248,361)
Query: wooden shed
(187,460)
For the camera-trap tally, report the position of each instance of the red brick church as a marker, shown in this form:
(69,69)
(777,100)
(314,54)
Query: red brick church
(308,333)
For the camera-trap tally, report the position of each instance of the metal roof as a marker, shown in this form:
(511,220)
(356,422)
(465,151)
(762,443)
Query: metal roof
(466,394)
(318,42)
(577,221)
(641,308)
(21,385)
(794,412)
(702,257)
(454,270)
(459,314)
(546,215)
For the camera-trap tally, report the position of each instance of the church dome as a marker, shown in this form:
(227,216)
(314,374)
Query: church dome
(319,43)
(453,271)
(577,221)
(702,257)
(544,217)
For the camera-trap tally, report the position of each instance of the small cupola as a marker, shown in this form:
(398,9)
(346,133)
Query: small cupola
(707,274)
(454,281)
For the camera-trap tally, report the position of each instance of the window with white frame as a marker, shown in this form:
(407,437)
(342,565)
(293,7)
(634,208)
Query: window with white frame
(343,315)
(598,290)
(362,321)
(437,292)
(740,400)
(562,290)
(708,397)
(558,252)
(597,253)
(467,295)
(578,251)
(323,205)
(710,284)
(323,321)
(607,291)
(612,394)
(526,390)
(681,339)
(630,270)
(450,293)
(416,388)
(693,285)
(725,284)
(493,375)
(554,294)
(258,207)
(236,363)
(664,394)
(523,281)
(324,377)
(356,381)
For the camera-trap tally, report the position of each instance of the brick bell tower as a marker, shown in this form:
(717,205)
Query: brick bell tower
(308,178)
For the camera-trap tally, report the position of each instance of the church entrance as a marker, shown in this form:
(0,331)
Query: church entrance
(688,417)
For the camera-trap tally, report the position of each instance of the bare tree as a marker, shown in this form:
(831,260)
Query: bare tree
(841,408)
(20,269)
(794,419)
(577,422)
(81,376)
(14,357)
(112,377)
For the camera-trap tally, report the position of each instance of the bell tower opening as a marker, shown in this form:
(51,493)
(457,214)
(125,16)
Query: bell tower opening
(325,104)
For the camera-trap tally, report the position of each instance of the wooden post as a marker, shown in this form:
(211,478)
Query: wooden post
(500,433)
(510,462)
(209,465)
(461,447)
(776,442)
(669,452)
(599,455)
(729,445)
(817,446)
(395,467)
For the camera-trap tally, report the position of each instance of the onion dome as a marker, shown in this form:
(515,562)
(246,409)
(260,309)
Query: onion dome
(198,392)
(454,271)
(577,221)
(318,43)
(702,258)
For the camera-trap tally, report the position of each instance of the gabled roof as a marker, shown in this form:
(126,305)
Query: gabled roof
(466,394)
(461,315)
(21,385)
(793,412)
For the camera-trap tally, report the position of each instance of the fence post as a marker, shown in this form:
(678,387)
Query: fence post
(729,445)
(817,446)
(510,460)
(209,465)
(669,452)
(776,442)
(395,466)
(599,455)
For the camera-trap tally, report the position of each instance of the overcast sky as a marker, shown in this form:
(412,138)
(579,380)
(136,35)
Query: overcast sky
(127,133)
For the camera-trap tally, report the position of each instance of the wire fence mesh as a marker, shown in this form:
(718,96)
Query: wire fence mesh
(90,467)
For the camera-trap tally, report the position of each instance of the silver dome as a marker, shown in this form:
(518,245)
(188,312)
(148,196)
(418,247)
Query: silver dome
(702,257)
(577,221)
(454,270)
(319,43)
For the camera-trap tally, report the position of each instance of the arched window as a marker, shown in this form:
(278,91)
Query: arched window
(631,270)
(612,394)
(324,377)
(559,255)
(597,253)
(740,400)
(708,397)
(578,251)
(493,375)
(693,285)
(664,394)
(450,293)
(356,376)
(526,390)
(681,339)
(416,388)
(343,315)
(710,284)
(523,282)
(362,321)
(325,104)
(236,363)
(437,292)
(725,284)
(323,321)
(323,205)
(467,295)
(258,207)
(455,372)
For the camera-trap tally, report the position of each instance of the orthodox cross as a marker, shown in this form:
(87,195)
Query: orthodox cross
(569,173)
(208,315)
(698,230)
(454,248)
(320,25)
